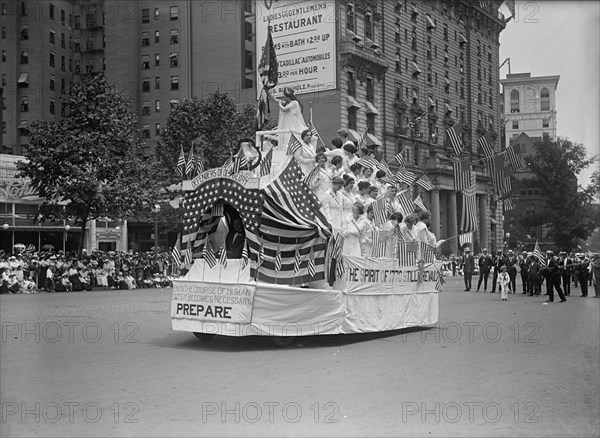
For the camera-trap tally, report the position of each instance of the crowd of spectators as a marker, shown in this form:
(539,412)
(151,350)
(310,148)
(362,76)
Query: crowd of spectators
(33,272)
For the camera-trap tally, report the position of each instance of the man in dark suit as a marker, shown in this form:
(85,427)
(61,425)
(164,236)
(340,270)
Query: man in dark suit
(553,278)
(524,266)
(497,262)
(485,265)
(235,239)
(564,263)
(468,266)
(512,265)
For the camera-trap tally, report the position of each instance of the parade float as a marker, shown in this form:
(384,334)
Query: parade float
(292,277)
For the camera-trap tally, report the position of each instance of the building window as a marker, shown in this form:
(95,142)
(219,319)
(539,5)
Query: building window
(352,117)
(248,60)
(514,101)
(248,83)
(371,123)
(3,32)
(174,36)
(145,15)
(146,108)
(62,40)
(397,32)
(546,123)
(24,104)
(351,84)
(248,31)
(52,85)
(89,68)
(156,60)
(515,124)
(368,26)
(52,107)
(145,62)
(174,59)
(445,32)
(145,85)
(145,39)
(174,13)
(545,100)
(77,22)
(25,57)
(51,11)
(145,131)
(173,103)
(370,90)
(174,82)
(157,83)
(51,59)
(156,37)
(24,33)
(350,17)
(157,106)
(63,86)
(156,13)
(157,129)
(63,63)
(52,36)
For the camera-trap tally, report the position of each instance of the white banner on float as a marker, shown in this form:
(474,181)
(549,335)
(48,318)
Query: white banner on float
(304,37)
(202,301)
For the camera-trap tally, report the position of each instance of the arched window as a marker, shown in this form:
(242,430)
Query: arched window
(545,100)
(514,101)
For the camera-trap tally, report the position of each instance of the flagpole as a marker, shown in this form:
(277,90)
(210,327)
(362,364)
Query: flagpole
(240,264)
(276,254)
(204,269)
(220,264)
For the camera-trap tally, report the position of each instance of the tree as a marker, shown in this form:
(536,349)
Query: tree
(90,164)
(214,124)
(568,207)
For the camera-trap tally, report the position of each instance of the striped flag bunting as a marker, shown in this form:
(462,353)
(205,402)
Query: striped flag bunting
(266,163)
(499,170)
(405,202)
(439,283)
(209,255)
(180,168)
(515,157)
(176,253)
(406,177)
(223,257)
(297,261)
(509,204)
(368,162)
(465,238)
(407,253)
(293,145)
(400,159)
(469,208)
(380,210)
(278,259)
(245,255)
(462,173)
(538,253)
(217,210)
(310,179)
(419,203)
(311,263)
(188,258)
(454,134)
(425,182)
(189,166)
(487,145)
(427,252)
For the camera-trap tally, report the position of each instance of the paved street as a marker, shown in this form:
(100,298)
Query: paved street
(107,363)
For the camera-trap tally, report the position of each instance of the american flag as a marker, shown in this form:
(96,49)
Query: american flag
(297,261)
(368,161)
(180,168)
(425,182)
(239,162)
(509,204)
(462,173)
(293,145)
(469,210)
(311,263)
(199,165)
(487,144)
(261,253)
(223,257)
(266,163)
(228,164)
(189,166)
(405,202)
(418,201)
(382,165)
(338,246)
(380,210)
(515,157)
(405,176)
(465,238)
(176,253)
(268,71)
(439,284)
(312,176)
(245,255)
(363,138)
(209,255)
(427,252)
(407,253)
(400,159)
(188,257)
(378,246)
(278,259)
(500,172)
(454,135)
(538,253)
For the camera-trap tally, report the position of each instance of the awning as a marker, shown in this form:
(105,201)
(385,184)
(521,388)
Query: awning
(431,102)
(353,135)
(353,103)
(23,78)
(430,23)
(447,81)
(371,109)
(446,55)
(448,109)
(462,39)
(173,55)
(416,69)
(372,140)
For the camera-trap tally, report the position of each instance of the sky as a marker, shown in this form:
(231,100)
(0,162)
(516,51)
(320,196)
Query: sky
(561,38)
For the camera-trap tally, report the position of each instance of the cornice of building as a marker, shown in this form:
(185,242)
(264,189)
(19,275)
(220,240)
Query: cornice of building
(528,80)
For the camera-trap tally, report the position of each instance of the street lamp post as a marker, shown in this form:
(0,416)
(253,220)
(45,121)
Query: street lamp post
(156,210)
(65,233)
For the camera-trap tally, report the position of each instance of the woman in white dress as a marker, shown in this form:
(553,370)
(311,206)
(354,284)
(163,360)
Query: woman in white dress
(348,198)
(290,117)
(322,182)
(306,154)
(407,228)
(352,231)
(366,234)
(390,235)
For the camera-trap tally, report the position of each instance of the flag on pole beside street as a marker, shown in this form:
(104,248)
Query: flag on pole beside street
(454,134)
(462,173)
(515,156)
(469,208)
(487,144)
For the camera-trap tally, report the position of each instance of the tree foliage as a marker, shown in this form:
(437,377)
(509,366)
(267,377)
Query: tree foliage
(567,207)
(90,164)
(214,124)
